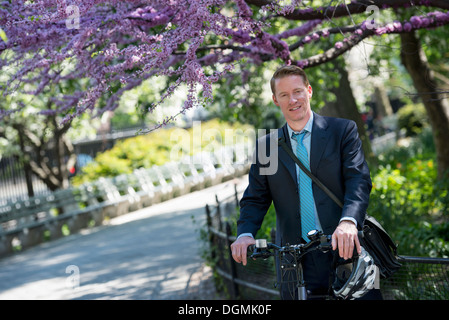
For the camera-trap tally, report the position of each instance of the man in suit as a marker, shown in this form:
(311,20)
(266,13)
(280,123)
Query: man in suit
(335,155)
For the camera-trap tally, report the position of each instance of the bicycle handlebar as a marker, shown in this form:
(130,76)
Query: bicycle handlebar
(318,241)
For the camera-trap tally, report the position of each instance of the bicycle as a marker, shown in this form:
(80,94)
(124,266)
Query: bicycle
(290,257)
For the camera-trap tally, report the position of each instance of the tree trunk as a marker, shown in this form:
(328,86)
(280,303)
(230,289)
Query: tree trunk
(383,106)
(437,106)
(346,107)
(38,162)
(26,168)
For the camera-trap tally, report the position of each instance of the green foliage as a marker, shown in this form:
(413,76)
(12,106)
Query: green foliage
(405,194)
(245,96)
(268,224)
(104,165)
(410,201)
(424,239)
(3,36)
(412,118)
(419,146)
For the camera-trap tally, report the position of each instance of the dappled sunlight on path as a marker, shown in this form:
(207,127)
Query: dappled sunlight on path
(152,253)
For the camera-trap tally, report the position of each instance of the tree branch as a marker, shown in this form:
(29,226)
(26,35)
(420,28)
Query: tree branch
(343,10)
(334,52)
(352,41)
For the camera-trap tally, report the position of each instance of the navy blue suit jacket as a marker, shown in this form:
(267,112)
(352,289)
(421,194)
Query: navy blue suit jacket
(336,159)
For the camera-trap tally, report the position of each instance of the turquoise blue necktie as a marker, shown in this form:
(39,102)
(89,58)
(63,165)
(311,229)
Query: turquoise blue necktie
(305,189)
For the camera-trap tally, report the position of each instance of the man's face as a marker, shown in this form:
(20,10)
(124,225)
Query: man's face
(293,97)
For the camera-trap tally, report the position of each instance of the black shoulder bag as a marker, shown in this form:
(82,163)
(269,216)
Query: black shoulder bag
(375,239)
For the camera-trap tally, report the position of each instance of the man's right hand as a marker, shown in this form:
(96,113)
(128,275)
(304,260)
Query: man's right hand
(239,249)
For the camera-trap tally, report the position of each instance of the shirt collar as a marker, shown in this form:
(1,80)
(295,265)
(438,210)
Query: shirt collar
(307,127)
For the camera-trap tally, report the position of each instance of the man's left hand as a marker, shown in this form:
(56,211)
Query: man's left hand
(344,238)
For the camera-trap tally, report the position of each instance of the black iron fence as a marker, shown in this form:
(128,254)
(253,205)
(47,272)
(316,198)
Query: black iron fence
(419,278)
(13,180)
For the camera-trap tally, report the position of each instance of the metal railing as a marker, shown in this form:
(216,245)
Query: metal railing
(419,278)
(13,181)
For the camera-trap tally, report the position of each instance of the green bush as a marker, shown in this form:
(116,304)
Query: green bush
(410,201)
(407,192)
(412,118)
(424,239)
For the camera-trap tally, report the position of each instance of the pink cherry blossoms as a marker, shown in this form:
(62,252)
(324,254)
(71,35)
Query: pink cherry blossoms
(113,46)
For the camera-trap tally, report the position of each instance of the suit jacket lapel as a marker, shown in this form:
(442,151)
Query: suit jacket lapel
(286,160)
(319,141)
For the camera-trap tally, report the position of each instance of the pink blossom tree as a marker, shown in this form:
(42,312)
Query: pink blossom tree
(116,45)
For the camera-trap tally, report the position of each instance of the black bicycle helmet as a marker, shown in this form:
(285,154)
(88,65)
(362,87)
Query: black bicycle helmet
(354,277)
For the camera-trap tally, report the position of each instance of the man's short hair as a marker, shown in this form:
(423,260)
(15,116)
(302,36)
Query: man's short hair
(285,71)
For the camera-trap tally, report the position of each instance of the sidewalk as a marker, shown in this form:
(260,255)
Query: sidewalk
(153,253)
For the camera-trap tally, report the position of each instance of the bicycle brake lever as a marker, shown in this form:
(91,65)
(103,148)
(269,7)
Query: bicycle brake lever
(261,254)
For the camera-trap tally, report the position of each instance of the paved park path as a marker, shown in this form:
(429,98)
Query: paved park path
(152,253)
